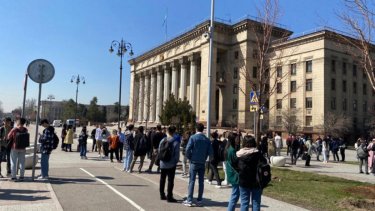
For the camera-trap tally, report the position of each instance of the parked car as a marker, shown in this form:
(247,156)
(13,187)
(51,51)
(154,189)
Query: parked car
(57,123)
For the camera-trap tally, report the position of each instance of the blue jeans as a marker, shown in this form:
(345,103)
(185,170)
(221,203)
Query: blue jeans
(256,195)
(128,159)
(194,169)
(17,155)
(83,149)
(234,197)
(44,163)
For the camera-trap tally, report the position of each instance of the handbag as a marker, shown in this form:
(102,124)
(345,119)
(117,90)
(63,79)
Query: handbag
(304,156)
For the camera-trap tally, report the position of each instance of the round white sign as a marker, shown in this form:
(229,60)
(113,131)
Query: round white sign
(40,71)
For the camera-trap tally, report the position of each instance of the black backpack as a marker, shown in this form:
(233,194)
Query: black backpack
(142,144)
(56,141)
(22,139)
(166,150)
(221,151)
(263,176)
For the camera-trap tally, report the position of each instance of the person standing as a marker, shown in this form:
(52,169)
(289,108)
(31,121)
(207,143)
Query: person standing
(120,147)
(184,142)
(63,135)
(271,146)
(363,156)
(318,144)
(93,132)
(295,147)
(232,171)
(4,144)
(278,144)
(308,151)
(156,138)
(342,147)
(128,147)
(263,146)
(140,149)
(215,161)
(325,149)
(113,141)
(82,140)
(18,138)
(288,144)
(168,168)
(198,149)
(248,160)
(46,146)
(99,140)
(68,141)
(371,157)
(334,146)
(105,144)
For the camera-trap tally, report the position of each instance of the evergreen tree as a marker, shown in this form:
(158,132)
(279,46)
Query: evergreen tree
(93,113)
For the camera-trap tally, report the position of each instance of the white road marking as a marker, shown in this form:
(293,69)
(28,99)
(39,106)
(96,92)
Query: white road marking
(116,191)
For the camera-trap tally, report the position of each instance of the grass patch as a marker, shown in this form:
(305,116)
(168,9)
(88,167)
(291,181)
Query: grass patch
(352,162)
(316,192)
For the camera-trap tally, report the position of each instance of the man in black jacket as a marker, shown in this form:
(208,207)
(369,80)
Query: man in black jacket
(214,162)
(46,140)
(141,147)
(156,138)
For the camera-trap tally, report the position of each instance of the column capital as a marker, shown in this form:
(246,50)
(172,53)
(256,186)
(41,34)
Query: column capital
(174,63)
(165,66)
(193,57)
(183,60)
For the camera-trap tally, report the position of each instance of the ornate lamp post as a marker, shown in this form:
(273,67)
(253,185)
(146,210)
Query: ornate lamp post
(122,47)
(77,79)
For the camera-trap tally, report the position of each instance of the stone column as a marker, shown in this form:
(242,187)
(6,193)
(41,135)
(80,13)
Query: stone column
(193,83)
(140,98)
(182,94)
(147,105)
(159,94)
(166,83)
(153,100)
(131,95)
(174,79)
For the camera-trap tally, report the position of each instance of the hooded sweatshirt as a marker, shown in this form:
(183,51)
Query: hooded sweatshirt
(248,159)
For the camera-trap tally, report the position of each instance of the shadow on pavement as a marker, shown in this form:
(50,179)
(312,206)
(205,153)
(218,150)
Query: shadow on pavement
(21,195)
(62,181)
(210,203)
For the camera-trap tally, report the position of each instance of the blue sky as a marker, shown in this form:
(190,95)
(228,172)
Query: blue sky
(75,35)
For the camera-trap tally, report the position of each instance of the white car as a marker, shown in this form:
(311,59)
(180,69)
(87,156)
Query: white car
(57,123)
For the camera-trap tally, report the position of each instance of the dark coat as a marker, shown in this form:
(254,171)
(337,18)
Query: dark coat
(248,160)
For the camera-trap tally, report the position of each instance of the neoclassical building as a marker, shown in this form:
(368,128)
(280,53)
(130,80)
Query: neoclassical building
(180,67)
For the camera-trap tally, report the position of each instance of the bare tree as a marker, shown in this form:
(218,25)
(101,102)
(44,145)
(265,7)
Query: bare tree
(358,17)
(290,121)
(335,124)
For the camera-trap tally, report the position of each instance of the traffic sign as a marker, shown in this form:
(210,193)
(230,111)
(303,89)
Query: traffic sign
(254,98)
(253,108)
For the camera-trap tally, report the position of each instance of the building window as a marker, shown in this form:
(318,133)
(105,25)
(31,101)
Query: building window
(279,88)
(354,87)
(344,104)
(235,104)
(333,65)
(235,73)
(333,84)
(309,85)
(309,102)
(293,86)
(293,69)
(308,120)
(354,70)
(354,105)
(344,85)
(236,55)
(235,88)
(309,66)
(279,71)
(365,106)
(279,120)
(344,68)
(364,87)
(279,104)
(333,103)
(293,102)
(255,70)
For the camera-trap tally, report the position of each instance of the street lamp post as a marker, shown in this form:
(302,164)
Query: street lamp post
(122,47)
(77,79)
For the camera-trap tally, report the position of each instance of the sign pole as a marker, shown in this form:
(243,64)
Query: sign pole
(24,95)
(36,131)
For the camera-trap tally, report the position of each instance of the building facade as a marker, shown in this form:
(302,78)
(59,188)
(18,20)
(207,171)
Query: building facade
(306,64)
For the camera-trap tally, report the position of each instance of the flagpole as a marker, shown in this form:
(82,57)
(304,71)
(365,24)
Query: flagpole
(211,33)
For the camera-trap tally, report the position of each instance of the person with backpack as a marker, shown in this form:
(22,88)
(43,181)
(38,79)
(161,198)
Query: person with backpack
(4,144)
(198,149)
(363,155)
(215,161)
(294,153)
(128,147)
(140,149)
(82,140)
(46,141)
(232,170)
(155,140)
(371,157)
(19,139)
(169,155)
(248,160)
